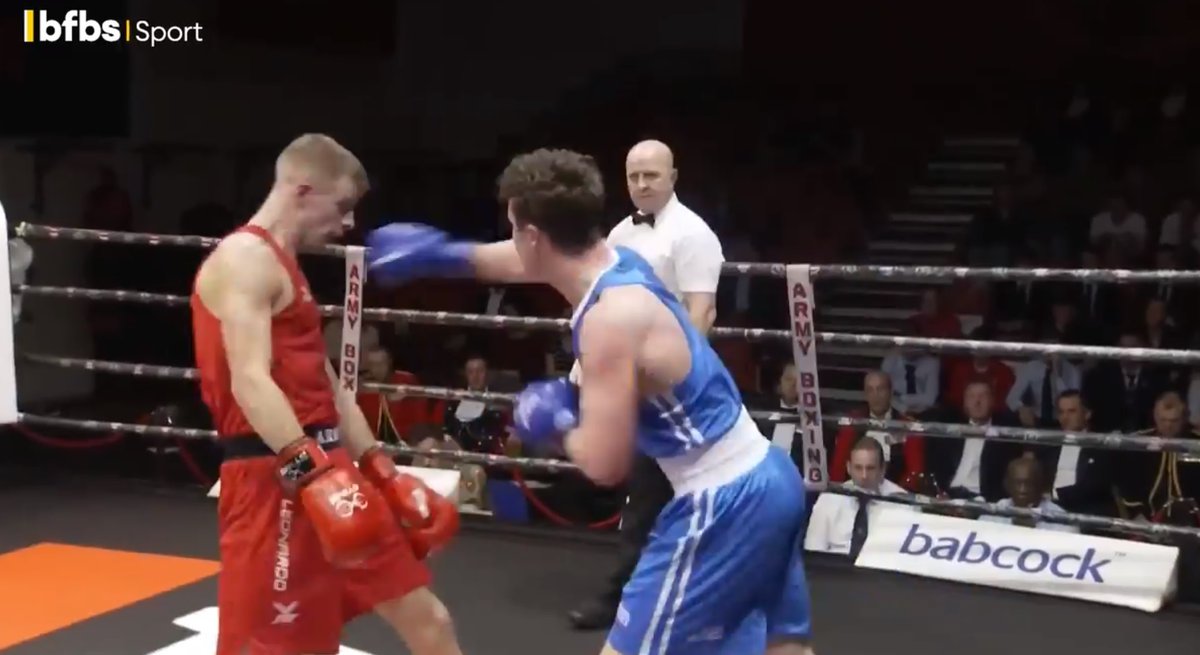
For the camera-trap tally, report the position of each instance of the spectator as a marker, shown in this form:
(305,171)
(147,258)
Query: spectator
(1158,329)
(470,424)
(1079,478)
(1023,481)
(1122,393)
(978,368)
(914,381)
(839,523)
(973,467)
(1065,324)
(1119,227)
(1039,382)
(900,463)
(934,320)
(392,415)
(1180,299)
(1180,230)
(1193,398)
(1149,484)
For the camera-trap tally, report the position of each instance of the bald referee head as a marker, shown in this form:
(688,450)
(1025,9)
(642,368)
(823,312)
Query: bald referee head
(651,175)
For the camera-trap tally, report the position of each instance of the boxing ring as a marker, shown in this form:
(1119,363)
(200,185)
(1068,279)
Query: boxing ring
(503,588)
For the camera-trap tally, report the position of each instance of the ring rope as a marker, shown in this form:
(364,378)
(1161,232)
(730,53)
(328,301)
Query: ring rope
(868,272)
(929,429)
(1107,441)
(484,459)
(1070,518)
(1005,349)
(559,466)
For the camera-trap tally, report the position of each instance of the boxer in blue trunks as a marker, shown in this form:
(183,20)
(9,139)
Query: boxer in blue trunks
(722,572)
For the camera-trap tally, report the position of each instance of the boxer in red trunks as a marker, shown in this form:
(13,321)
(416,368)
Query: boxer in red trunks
(307,541)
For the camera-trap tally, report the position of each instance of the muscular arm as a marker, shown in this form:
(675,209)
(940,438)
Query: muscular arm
(498,262)
(240,291)
(356,434)
(701,309)
(611,330)
(698,260)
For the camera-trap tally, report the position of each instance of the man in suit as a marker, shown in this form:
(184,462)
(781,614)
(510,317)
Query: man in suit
(974,467)
(1079,479)
(1123,393)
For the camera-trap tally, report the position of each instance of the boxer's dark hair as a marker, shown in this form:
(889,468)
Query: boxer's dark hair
(560,192)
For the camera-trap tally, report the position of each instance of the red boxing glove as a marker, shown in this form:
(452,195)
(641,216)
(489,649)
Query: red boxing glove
(349,515)
(429,520)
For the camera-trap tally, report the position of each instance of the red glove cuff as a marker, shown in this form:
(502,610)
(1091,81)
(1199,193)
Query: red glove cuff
(301,461)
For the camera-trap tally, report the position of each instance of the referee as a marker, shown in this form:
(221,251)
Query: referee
(686,255)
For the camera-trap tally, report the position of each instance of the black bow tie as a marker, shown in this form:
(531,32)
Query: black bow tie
(639,219)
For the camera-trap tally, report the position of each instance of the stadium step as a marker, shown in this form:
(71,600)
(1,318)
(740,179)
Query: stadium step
(965,172)
(958,219)
(940,191)
(911,245)
(981,146)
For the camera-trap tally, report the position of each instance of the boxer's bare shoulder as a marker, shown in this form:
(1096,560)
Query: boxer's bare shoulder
(630,326)
(242,269)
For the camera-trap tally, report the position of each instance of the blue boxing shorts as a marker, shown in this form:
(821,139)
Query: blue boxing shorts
(722,572)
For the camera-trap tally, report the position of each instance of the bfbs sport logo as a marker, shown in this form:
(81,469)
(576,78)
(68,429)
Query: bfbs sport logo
(77,27)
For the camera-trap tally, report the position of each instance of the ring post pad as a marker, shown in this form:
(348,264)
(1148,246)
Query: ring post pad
(300,462)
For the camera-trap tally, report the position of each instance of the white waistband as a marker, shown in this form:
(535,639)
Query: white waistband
(720,462)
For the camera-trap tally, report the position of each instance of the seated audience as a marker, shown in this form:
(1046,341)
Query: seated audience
(1079,479)
(1039,382)
(1118,225)
(470,424)
(1065,323)
(392,415)
(903,456)
(1122,393)
(914,381)
(786,399)
(1193,397)
(1180,299)
(1024,484)
(973,467)
(1155,485)
(839,524)
(935,320)
(965,370)
(1180,231)
(1158,329)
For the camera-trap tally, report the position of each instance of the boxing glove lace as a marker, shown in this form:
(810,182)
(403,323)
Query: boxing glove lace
(348,515)
(404,251)
(427,518)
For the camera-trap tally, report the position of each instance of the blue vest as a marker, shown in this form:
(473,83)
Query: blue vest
(697,411)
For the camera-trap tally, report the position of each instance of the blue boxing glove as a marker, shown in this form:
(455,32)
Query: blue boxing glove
(404,251)
(545,411)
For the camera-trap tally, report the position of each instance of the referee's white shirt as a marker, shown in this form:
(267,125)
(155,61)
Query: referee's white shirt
(683,250)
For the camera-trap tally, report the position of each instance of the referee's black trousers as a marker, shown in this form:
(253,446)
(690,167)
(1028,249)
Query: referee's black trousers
(649,492)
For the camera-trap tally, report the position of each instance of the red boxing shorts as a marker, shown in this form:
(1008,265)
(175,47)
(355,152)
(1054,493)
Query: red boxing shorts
(276,593)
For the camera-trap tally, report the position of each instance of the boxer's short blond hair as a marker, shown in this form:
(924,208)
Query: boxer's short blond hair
(323,156)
